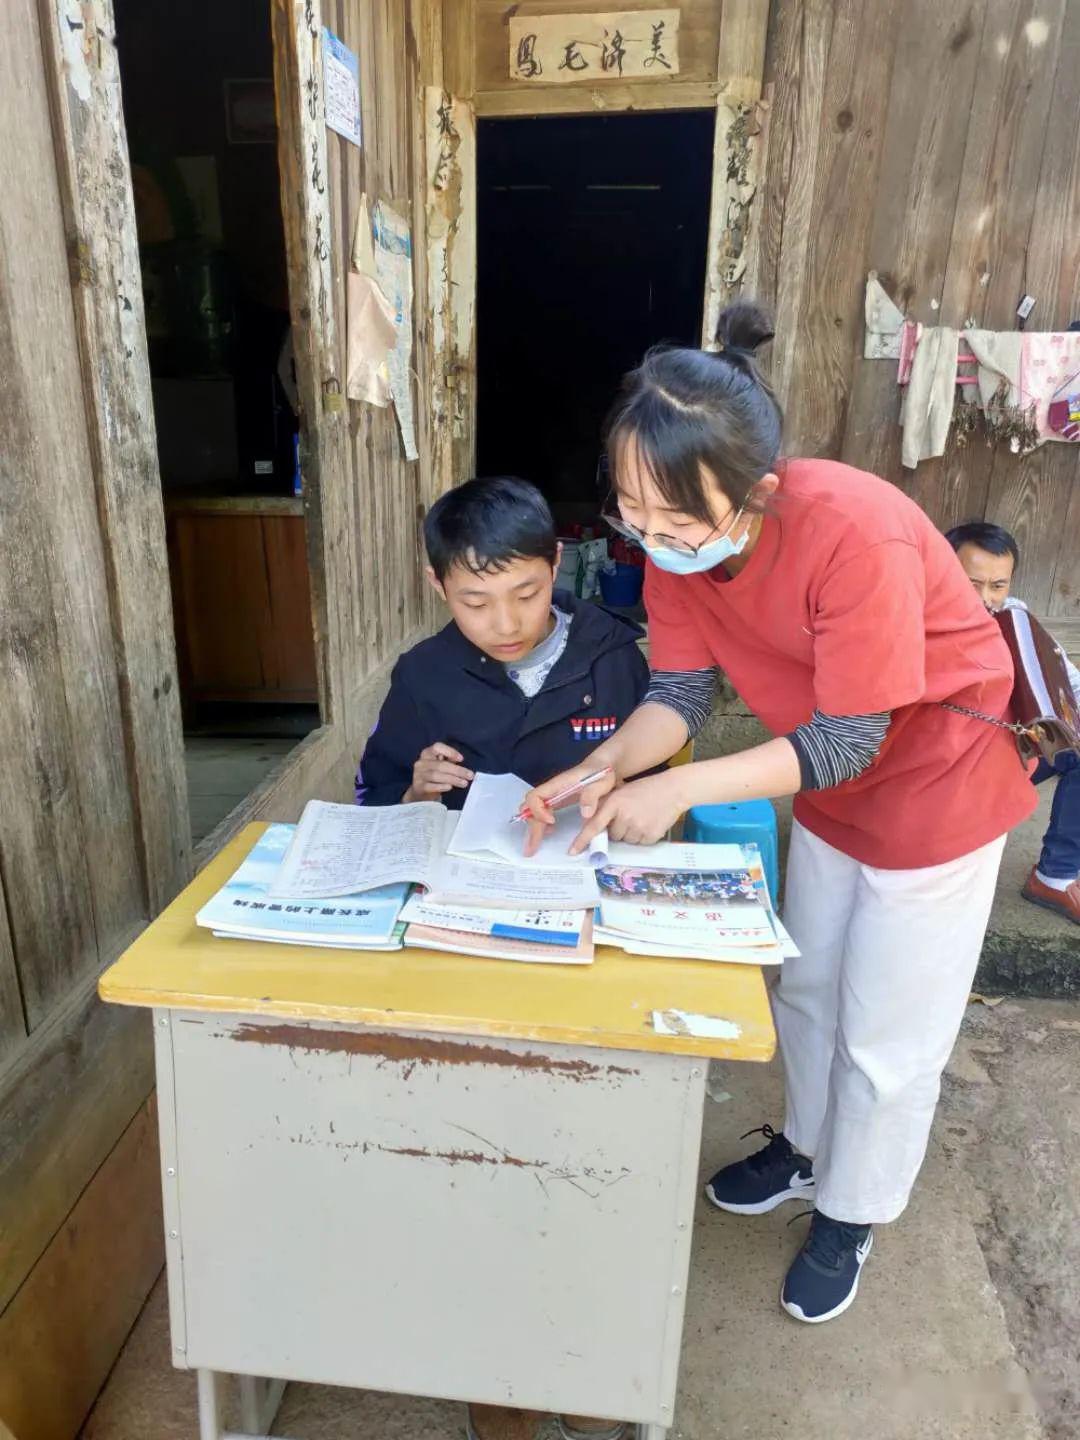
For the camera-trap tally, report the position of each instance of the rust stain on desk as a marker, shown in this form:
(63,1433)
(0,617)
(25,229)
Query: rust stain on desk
(413,1050)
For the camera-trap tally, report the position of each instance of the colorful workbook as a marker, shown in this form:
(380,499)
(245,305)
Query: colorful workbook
(492,947)
(706,902)
(545,927)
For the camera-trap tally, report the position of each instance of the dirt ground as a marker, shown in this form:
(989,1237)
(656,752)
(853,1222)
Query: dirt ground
(967,1326)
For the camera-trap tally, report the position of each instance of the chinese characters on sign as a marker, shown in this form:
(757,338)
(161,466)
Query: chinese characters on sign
(613,45)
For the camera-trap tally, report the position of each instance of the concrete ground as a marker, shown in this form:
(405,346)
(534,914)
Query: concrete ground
(223,770)
(967,1326)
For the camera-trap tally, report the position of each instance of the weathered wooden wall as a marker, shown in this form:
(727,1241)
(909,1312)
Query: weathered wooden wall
(365,500)
(95,835)
(937,142)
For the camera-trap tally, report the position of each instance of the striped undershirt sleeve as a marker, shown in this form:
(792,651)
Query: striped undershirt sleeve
(688,692)
(835,748)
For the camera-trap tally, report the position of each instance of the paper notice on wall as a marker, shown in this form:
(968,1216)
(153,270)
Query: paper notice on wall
(393,267)
(341,82)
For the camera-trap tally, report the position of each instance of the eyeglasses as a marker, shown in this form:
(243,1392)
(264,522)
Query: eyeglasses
(610,514)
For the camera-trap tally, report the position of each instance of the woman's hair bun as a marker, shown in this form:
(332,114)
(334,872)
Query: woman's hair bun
(744,326)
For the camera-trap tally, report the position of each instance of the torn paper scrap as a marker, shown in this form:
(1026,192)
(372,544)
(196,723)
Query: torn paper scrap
(363,246)
(884,322)
(371,338)
(701,1027)
(393,265)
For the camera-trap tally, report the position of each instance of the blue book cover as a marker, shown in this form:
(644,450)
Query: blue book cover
(242,908)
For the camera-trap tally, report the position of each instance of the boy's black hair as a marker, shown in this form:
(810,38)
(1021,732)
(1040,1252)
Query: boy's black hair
(994,539)
(485,524)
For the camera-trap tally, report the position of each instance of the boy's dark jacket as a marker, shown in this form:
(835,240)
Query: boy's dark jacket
(446,689)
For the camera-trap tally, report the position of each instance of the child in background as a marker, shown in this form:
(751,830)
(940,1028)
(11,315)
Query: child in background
(990,555)
(525,679)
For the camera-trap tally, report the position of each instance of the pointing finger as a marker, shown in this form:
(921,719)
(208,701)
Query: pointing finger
(592,828)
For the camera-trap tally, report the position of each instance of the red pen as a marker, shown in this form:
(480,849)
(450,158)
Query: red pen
(570,790)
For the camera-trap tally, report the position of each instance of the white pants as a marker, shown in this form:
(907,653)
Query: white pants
(869,1013)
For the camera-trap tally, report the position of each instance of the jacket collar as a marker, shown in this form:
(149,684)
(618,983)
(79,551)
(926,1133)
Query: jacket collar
(593,632)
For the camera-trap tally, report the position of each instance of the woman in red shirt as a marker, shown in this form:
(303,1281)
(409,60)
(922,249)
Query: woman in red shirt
(843,619)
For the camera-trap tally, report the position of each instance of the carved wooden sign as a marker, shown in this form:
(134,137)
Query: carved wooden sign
(611,45)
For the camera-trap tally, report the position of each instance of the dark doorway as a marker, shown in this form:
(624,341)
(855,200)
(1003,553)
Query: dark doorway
(592,240)
(198,100)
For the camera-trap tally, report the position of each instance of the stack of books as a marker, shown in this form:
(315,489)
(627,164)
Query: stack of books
(246,909)
(704,902)
(349,877)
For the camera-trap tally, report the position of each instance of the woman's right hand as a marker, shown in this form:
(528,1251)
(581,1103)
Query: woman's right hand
(542,817)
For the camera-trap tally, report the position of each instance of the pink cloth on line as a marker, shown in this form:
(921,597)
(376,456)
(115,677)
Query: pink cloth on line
(1049,360)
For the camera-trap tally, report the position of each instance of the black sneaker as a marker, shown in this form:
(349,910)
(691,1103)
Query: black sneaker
(764,1180)
(824,1276)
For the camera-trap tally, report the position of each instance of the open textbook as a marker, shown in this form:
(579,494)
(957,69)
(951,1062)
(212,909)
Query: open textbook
(343,849)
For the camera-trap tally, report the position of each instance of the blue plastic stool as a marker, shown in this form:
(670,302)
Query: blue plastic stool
(750,822)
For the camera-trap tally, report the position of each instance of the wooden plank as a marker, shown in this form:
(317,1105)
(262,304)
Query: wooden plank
(589,100)
(285,550)
(913,215)
(309,242)
(796,68)
(1005,136)
(851,132)
(1066,631)
(65,1098)
(1065,595)
(463,305)
(699,33)
(976,286)
(61,1333)
(68,846)
(234,505)
(12,1020)
(99,220)
(223,602)
(459,27)
(1032,496)
(737,155)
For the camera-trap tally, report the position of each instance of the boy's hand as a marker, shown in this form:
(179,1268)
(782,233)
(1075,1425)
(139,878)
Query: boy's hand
(588,801)
(438,770)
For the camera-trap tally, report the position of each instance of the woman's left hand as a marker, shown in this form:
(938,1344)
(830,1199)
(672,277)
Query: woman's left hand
(640,813)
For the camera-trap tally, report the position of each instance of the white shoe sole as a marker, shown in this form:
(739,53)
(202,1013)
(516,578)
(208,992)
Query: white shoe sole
(849,1298)
(763,1206)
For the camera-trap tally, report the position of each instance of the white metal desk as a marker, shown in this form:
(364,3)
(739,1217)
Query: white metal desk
(427,1173)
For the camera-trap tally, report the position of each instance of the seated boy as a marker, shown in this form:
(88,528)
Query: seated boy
(990,555)
(525,679)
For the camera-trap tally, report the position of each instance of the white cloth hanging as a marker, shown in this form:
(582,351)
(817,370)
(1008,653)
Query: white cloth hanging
(926,411)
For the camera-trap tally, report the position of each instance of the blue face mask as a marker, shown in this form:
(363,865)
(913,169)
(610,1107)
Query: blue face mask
(714,553)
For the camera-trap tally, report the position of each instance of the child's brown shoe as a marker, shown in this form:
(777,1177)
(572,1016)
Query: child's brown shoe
(500,1422)
(587,1427)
